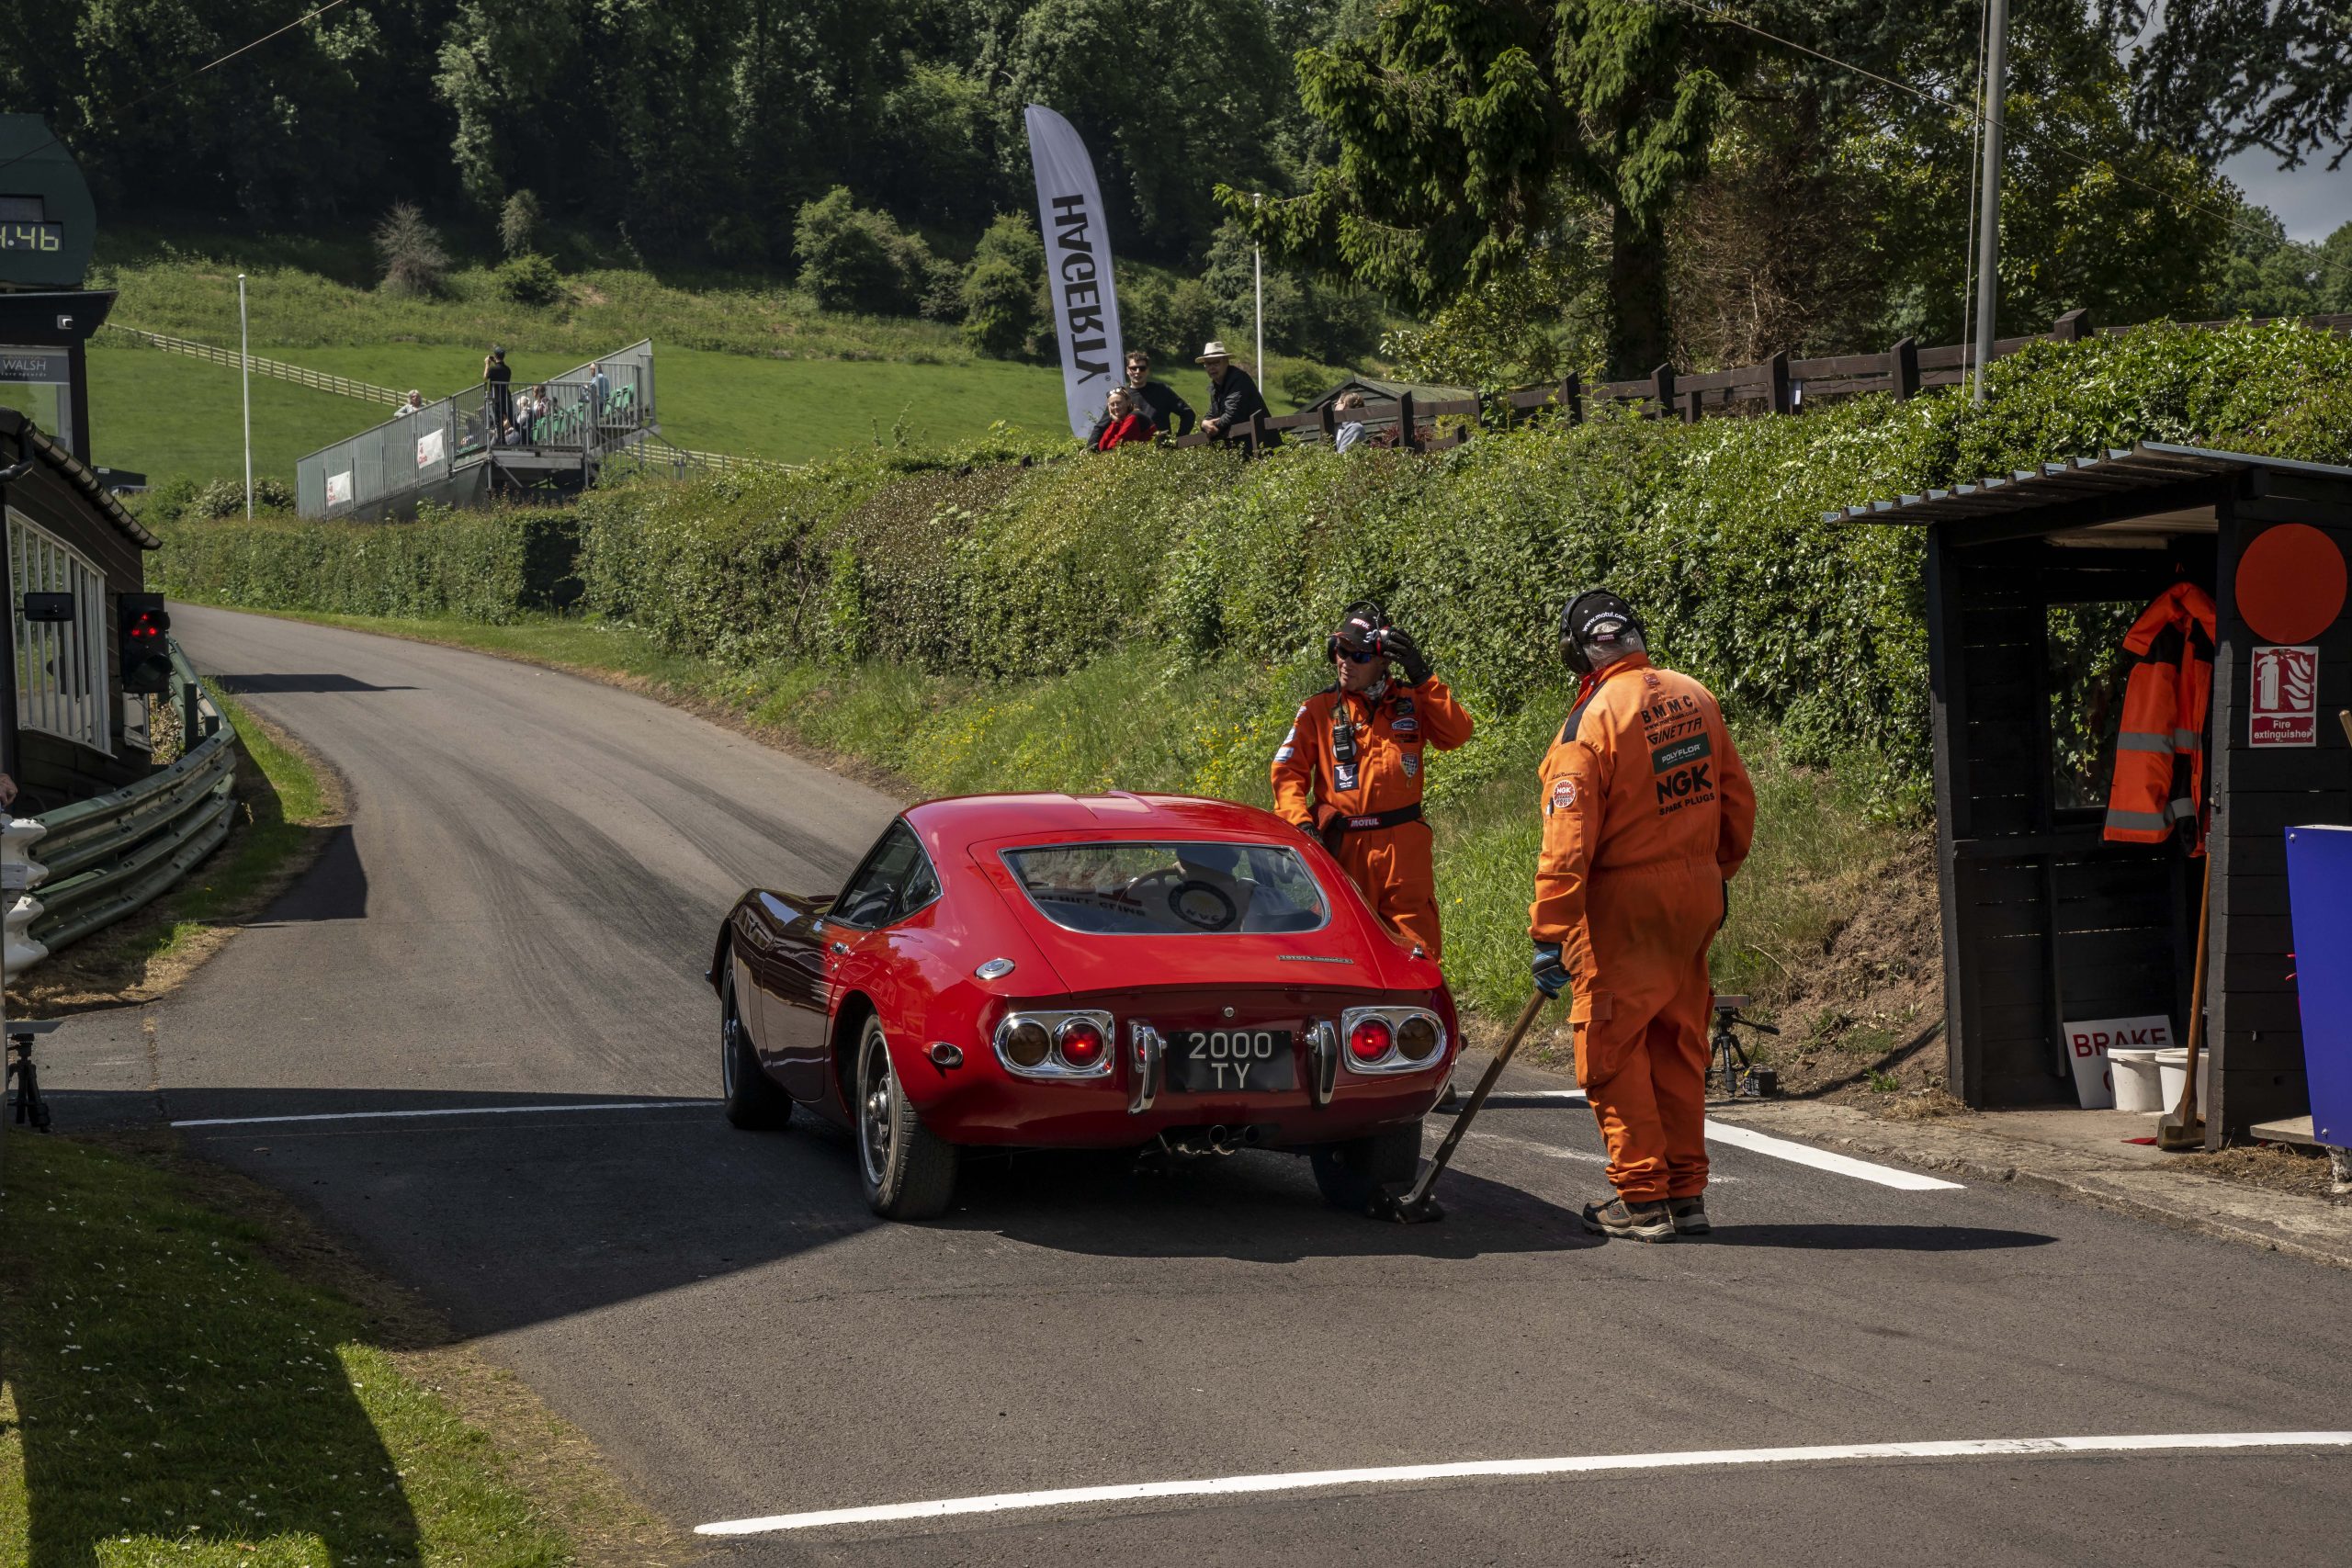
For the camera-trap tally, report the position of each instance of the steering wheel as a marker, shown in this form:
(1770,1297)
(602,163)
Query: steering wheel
(1203,906)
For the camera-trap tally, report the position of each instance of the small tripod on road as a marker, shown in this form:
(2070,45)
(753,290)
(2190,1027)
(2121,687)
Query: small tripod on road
(1729,1063)
(26,1104)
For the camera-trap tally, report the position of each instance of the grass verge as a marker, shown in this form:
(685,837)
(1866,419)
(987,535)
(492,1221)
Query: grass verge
(187,1380)
(289,803)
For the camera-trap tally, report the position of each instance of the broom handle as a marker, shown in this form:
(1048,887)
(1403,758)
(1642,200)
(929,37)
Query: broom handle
(1479,1095)
(2186,1111)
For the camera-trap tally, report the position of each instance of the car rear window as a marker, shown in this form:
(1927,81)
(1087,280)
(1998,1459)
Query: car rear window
(1150,889)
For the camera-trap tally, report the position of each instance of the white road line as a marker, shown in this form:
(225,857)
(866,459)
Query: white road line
(1314,1480)
(451,1110)
(1822,1159)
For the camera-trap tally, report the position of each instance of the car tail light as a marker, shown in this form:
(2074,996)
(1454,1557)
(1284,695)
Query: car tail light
(1055,1042)
(1026,1042)
(1417,1038)
(1082,1043)
(1392,1039)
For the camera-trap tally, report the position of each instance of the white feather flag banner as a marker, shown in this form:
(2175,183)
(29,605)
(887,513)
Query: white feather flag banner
(1077,266)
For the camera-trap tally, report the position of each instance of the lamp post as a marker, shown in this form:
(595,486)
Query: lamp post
(1988,241)
(245,381)
(1258,283)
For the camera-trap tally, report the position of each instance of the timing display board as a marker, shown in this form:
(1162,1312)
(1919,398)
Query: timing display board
(47,220)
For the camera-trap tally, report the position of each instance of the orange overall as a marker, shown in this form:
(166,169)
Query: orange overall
(1647,813)
(1388,729)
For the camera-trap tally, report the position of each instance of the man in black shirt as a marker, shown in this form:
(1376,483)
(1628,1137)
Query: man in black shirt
(1169,415)
(498,396)
(1233,397)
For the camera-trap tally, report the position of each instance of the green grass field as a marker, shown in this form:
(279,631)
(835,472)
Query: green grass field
(167,416)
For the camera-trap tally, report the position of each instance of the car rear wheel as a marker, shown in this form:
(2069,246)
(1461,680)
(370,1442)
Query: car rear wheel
(752,1099)
(1351,1173)
(910,1172)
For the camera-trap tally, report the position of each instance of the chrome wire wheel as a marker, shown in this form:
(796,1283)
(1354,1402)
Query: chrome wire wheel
(877,1108)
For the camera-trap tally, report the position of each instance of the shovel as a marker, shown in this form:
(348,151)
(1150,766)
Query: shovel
(1417,1207)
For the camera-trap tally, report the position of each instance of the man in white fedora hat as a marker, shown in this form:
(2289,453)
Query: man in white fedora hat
(1233,396)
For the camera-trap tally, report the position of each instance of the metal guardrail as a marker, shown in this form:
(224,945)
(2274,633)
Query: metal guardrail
(277,369)
(99,860)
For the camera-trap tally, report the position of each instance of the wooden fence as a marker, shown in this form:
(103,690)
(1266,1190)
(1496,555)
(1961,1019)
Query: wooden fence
(1781,385)
(277,369)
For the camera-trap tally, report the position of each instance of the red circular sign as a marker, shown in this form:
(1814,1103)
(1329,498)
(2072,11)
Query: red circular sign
(2290,583)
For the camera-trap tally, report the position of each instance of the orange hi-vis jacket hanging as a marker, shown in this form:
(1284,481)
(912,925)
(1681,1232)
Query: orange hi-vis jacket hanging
(2160,749)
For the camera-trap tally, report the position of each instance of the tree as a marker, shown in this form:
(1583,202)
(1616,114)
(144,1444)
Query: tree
(2222,77)
(1469,134)
(1171,95)
(415,261)
(2267,273)
(2336,270)
(518,224)
(854,258)
(1004,293)
(1303,315)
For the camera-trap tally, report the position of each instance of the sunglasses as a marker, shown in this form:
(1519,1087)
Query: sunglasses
(1352,657)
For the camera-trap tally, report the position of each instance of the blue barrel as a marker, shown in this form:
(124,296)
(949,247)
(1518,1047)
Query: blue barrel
(2319,891)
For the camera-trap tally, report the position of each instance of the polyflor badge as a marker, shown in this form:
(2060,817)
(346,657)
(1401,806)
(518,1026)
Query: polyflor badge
(2282,708)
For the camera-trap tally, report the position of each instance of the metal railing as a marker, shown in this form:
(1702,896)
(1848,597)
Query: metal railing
(428,444)
(98,859)
(277,369)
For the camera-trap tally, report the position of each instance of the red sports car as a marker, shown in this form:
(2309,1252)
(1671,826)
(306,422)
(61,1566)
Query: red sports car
(1121,971)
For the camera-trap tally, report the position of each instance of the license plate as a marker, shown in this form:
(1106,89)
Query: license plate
(1230,1060)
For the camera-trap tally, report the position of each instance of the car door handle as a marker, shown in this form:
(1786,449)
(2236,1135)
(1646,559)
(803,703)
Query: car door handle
(841,948)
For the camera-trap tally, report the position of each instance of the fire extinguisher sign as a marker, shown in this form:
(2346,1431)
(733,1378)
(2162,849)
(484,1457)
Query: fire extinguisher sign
(2283,709)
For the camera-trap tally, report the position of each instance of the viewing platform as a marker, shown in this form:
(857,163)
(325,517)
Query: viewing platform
(488,441)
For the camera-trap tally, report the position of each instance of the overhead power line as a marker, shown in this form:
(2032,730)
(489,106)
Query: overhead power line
(184,80)
(1974,116)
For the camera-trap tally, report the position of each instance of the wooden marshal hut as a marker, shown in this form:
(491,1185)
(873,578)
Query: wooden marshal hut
(2044,921)
(72,552)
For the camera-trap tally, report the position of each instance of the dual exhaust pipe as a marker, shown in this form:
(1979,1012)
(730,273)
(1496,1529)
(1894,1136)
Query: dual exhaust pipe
(1219,1139)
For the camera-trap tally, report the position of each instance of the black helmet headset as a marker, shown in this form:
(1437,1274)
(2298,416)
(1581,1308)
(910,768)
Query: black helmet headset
(1361,624)
(1595,616)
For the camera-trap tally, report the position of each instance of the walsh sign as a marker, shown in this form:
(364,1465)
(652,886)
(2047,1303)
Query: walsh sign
(1077,266)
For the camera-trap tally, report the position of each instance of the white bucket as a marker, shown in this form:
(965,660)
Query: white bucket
(2137,1085)
(2172,1072)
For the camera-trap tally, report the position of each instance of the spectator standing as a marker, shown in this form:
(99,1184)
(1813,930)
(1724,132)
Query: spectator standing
(1233,396)
(1350,431)
(600,388)
(1121,426)
(498,394)
(413,403)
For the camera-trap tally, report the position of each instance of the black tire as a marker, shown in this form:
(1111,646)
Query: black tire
(908,1173)
(752,1099)
(1351,1173)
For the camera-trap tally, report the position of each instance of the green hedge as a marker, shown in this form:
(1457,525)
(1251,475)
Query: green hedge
(477,566)
(987,563)
(1713,530)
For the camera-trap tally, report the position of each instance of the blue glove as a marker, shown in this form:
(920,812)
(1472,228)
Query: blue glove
(1551,975)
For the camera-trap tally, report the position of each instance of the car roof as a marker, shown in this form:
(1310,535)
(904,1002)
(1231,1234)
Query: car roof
(964,820)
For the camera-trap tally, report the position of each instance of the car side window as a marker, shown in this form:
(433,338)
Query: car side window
(922,886)
(888,884)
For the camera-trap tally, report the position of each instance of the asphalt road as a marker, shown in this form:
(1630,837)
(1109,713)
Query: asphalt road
(520,913)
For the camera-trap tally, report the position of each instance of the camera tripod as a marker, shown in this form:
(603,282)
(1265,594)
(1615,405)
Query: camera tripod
(1728,1062)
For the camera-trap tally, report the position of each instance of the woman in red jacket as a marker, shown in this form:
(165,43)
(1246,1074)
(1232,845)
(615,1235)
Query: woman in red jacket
(1126,426)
